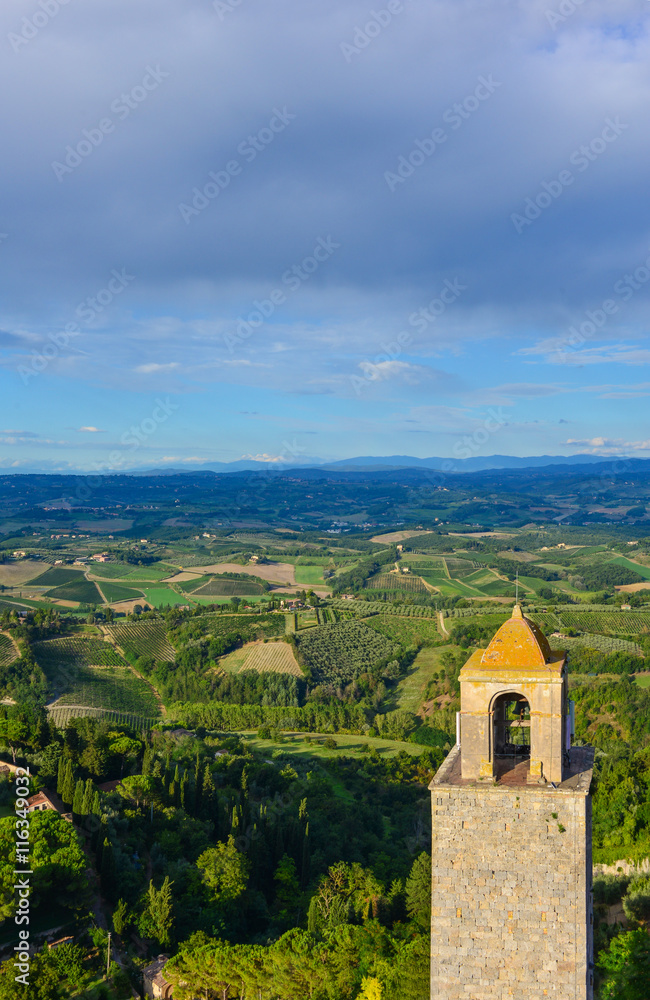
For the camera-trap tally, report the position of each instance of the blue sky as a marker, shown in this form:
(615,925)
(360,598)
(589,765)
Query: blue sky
(309,230)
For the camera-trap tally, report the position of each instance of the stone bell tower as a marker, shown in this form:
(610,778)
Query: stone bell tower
(511,850)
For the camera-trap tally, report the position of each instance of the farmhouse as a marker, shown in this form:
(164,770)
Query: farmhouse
(47,800)
(154,982)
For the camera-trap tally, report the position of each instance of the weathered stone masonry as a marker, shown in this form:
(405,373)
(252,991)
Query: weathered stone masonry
(511,889)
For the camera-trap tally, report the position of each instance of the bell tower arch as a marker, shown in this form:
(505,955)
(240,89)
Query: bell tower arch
(518,660)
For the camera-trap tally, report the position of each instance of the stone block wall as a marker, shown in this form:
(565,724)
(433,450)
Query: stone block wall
(511,891)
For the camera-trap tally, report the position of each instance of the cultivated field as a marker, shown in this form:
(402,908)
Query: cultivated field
(264,657)
(406,631)
(8,652)
(80,590)
(228,588)
(397,536)
(14,574)
(147,638)
(282,573)
(56,576)
(112,688)
(396,581)
(74,651)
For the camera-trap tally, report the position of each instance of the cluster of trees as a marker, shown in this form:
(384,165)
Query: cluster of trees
(608,575)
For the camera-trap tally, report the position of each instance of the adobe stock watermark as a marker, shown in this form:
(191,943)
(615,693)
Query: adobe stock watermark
(88,310)
(249,149)
(225,7)
(22,870)
(581,158)
(133,438)
(31,26)
(122,107)
(455,116)
(292,279)
(421,320)
(377,22)
(565,10)
(596,319)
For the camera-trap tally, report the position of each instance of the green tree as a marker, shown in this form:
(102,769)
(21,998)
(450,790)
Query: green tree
(69,962)
(224,872)
(67,791)
(60,776)
(121,917)
(418,891)
(157,920)
(89,792)
(626,967)
(107,872)
(44,980)
(287,896)
(78,798)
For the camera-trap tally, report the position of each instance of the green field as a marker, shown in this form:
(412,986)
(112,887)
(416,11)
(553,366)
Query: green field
(159,597)
(411,689)
(109,571)
(350,745)
(642,680)
(57,576)
(643,571)
(82,590)
(309,576)
(115,592)
(148,638)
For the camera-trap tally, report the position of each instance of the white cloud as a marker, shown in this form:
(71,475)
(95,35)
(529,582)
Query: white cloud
(90,430)
(609,446)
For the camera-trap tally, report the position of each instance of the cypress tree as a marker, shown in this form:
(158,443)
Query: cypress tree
(207,793)
(107,875)
(304,868)
(78,798)
(61,776)
(89,792)
(67,792)
(184,792)
(147,760)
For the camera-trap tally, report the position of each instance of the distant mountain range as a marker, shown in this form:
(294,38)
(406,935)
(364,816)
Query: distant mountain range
(372,463)
(362,464)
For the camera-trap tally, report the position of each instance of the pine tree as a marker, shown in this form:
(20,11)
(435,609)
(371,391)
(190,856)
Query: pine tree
(67,792)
